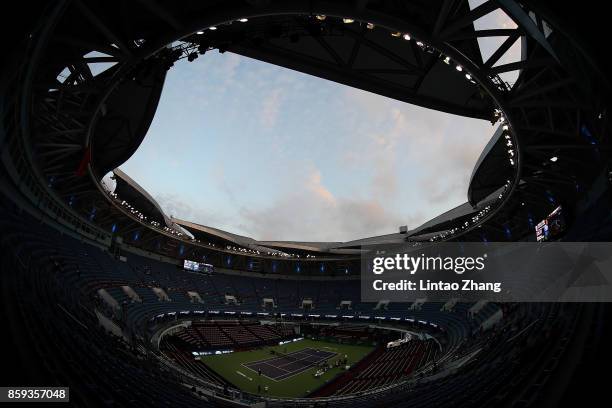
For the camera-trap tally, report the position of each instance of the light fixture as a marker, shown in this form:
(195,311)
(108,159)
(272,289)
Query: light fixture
(420,43)
(321,17)
(348,20)
(505,127)
(212,28)
(200,32)
(370,26)
(396,34)
(468,76)
(243,20)
(407,37)
(554,159)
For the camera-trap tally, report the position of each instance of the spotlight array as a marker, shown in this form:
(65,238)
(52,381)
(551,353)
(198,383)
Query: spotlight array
(141,217)
(155,224)
(466,224)
(349,20)
(510,149)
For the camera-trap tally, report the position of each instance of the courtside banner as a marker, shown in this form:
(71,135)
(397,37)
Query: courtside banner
(501,272)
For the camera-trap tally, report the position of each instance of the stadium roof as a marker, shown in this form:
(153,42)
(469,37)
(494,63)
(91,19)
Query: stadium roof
(130,190)
(78,125)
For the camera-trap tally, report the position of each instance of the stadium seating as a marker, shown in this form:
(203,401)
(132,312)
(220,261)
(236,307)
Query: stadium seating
(391,365)
(62,275)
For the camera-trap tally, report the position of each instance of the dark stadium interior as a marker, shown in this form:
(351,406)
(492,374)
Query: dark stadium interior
(94,291)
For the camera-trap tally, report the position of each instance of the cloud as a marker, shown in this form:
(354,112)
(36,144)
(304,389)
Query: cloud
(313,213)
(310,213)
(300,217)
(175,206)
(314,185)
(438,150)
(277,156)
(270,107)
(220,179)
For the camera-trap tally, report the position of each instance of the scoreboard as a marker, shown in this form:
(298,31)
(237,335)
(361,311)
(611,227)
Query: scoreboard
(198,267)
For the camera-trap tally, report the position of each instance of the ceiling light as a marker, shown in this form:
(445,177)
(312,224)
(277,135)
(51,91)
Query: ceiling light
(407,37)
(447,60)
(348,20)
(554,159)
(459,68)
(212,28)
(370,26)
(396,34)
(200,32)
(320,17)
(468,76)
(243,20)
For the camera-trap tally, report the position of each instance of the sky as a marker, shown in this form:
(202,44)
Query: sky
(267,152)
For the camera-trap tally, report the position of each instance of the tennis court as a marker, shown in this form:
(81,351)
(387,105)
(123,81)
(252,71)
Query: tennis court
(283,366)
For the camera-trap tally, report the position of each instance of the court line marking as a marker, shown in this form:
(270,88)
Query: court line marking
(294,372)
(244,375)
(321,358)
(308,367)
